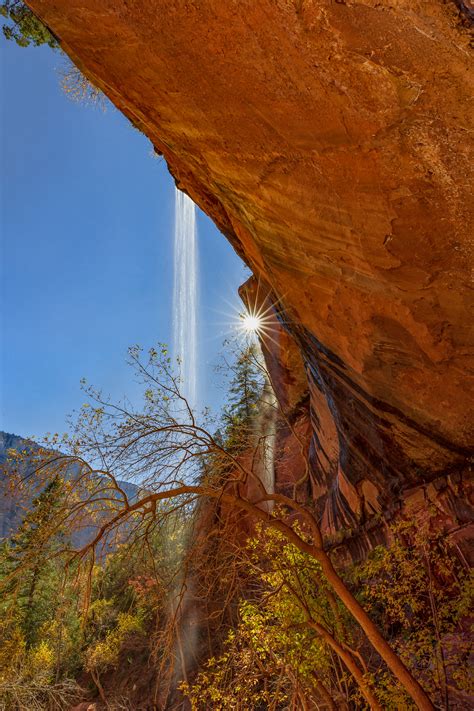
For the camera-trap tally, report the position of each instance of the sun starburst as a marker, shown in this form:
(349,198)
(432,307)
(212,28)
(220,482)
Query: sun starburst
(251,323)
(258,321)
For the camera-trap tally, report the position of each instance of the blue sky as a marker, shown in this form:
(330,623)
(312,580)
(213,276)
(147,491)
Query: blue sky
(86,250)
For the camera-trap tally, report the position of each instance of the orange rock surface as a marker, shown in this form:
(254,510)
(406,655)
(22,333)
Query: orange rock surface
(331,142)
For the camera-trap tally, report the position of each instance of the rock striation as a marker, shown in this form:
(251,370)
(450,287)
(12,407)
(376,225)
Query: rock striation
(331,143)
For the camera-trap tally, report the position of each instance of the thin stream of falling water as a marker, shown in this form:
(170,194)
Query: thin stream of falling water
(265,429)
(185,313)
(185,294)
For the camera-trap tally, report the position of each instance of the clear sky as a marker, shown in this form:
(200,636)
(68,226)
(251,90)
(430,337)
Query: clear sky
(86,250)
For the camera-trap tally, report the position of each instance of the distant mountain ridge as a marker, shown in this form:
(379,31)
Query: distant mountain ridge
(12,507)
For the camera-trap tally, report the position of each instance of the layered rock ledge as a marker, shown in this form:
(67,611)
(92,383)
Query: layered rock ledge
(331,142)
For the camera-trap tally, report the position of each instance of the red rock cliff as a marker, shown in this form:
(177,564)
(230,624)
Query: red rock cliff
(330,142)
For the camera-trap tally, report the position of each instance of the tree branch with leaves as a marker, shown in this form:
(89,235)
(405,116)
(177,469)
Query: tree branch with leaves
(162,446)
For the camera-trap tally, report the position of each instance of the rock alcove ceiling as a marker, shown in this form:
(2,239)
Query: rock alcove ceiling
(330,142)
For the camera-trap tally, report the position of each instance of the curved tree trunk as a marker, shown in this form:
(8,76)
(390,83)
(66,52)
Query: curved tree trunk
(350,663)
(375,637)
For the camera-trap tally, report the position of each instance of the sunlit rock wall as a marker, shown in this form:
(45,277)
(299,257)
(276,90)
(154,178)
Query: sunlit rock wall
(331,142)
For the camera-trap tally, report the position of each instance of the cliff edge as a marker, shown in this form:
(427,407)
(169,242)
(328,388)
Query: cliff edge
(330,141)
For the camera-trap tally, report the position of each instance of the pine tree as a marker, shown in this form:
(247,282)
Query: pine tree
(30,565)
(244,392)
(246,385)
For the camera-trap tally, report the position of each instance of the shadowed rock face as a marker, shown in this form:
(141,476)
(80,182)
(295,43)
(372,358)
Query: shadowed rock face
(330,142)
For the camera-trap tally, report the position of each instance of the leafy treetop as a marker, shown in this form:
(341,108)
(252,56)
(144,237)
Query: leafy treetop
(24,27)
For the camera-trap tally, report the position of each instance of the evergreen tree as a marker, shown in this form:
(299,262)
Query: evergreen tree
(29,563)
(244,392)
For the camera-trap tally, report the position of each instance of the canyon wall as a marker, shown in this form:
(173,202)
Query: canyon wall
(330,141)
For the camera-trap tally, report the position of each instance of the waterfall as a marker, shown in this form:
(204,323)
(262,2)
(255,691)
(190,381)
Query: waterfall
(185,295)
(265,430)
